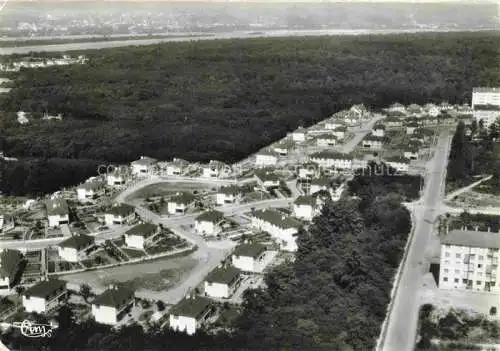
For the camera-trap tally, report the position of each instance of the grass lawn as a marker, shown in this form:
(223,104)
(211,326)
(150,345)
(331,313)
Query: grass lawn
(162,189)
(473,199)
(133,254)
(163,280)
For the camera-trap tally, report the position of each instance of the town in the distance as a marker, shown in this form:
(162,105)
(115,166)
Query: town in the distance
(219,227)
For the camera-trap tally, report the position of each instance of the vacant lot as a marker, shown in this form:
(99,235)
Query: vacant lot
(154,276)
(164,189)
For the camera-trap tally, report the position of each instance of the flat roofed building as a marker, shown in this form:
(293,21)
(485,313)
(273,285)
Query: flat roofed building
(469,261)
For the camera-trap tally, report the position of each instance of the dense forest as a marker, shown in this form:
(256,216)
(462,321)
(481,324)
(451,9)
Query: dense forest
(332,297)
(474,155)
(224,99)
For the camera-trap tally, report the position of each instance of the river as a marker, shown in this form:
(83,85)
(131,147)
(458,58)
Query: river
(232,35)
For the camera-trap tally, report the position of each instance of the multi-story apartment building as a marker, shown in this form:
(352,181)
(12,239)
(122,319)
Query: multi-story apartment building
(486,105)
(469,260)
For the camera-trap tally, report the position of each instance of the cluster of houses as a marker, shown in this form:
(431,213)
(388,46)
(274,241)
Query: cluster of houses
(31,62)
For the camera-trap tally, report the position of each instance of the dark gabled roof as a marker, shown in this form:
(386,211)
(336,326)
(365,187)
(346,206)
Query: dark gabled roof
(326,136)
(399,159)
(182,198)
(267,152)
(267,175)
(230,190)
(223,275)
(486,90)
(276,218)
(487,107)
(193,307)
(57,207)
(92,185)
(45,288)
(121,209)
(144,229)
(116,297)
(378,127)
(371,137)
(331,155)
(145,161)
(305,200)
(77,241)
(340,129)
(395,114)
(253,250)
(212,216)
(472,239)
(9,263)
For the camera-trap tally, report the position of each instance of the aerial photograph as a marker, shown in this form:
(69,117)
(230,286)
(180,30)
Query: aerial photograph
(263,175)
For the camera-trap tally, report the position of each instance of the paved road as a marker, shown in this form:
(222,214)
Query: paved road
(402,322)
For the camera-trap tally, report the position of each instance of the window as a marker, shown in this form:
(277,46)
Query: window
(464,281)
(456,280)
(446,270)
(472,256)
(445,279)
(458,255)
(447,254)
(479,266)
(480,258)
(479,282)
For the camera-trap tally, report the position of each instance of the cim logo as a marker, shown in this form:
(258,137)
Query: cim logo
(33,330)
(105,169)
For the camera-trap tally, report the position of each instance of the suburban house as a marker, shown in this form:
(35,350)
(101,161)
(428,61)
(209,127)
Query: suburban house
(308,170)
(266,158)
(143,166)
(414,109)
(397,107)
(299,135)
(358,110)
(249,257)
(378,130)
(411,153)
(190,314)
(57,212)
(209,223)
(318,184)
(282,148)
(6,223)
(339,132)
(74,248)
(141,234)
(469,261)
(116,178)
(373,142)
(330,159)
(432,110)
(352,119)
(119,214)
(305,207)
(214,169)
(45,296)
(228,195)
(326,140)
(222,282)
(10,265)
(393,122)
(333,124)
(445,106)
(410,127)
(109,307)
(180,203)
(88,190)
(400,164)
(283,228)
(176,167)
(267,179)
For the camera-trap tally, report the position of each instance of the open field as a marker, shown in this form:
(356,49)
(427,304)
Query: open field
(162,189)
(154,276)
(472,199)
